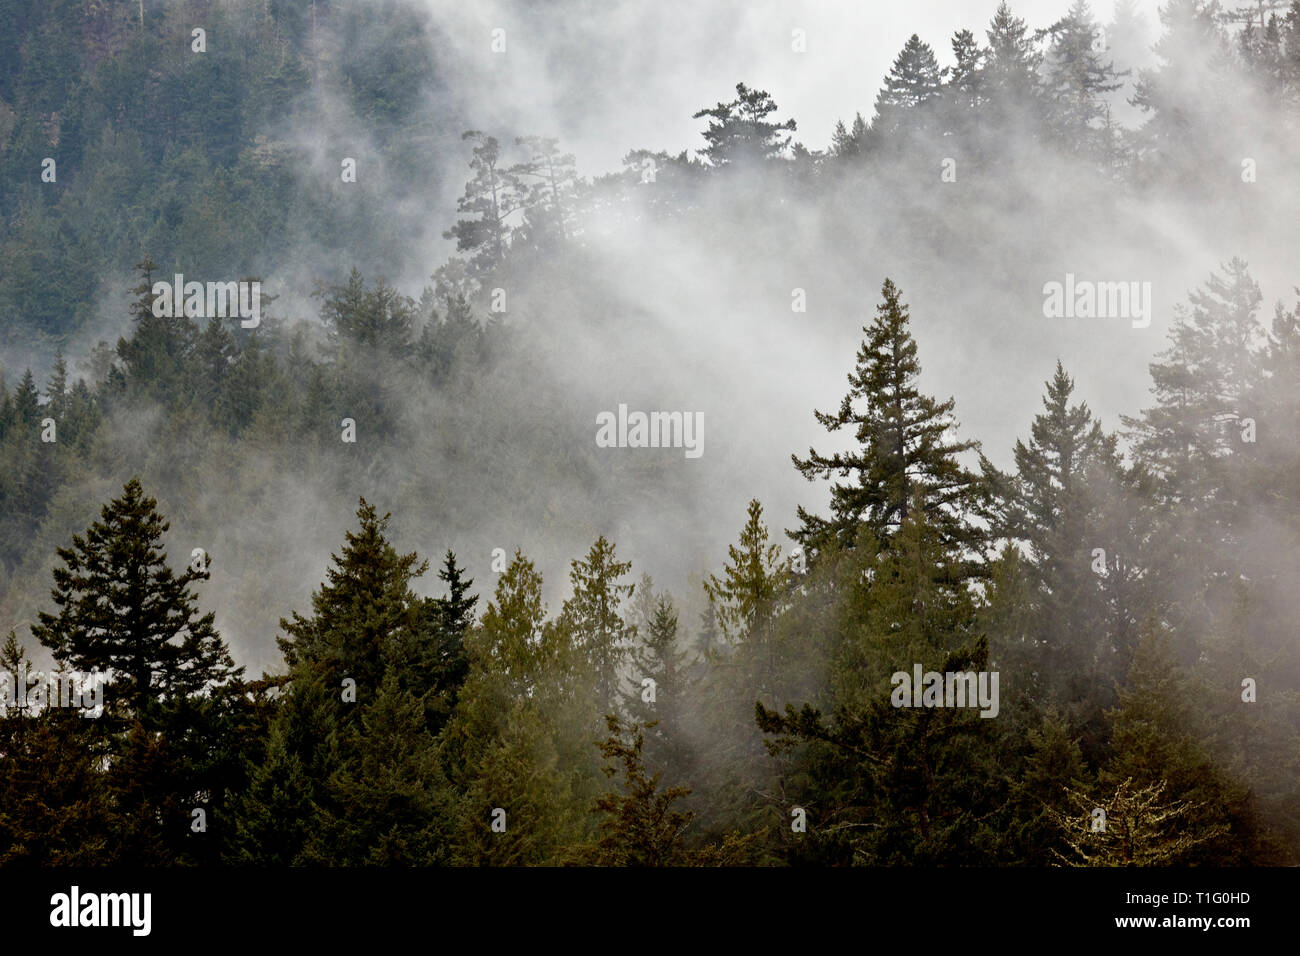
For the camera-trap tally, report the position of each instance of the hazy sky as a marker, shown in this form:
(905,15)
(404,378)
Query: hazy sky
(614,76)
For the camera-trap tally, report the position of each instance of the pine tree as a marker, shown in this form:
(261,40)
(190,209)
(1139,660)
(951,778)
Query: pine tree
(658,656)
(1077,79)
(593,617)
(491,197)
(513,742)
(1201,383)
(740,134)
(905,446)
(384,804)
(884,784)
(1009,79)
(547,181)
(848,142)
(123,611)
(378,318)
(1066,500)
(914,83)
(280,807)
(445,663)
(365,617)
(156,357)
(1188,96)
(273,814)
(57,390)
(1191,441)
(640,827)
(54,809)
(748,598)
(965,80)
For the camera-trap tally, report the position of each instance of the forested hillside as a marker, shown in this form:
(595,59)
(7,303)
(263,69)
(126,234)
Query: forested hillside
(392,575)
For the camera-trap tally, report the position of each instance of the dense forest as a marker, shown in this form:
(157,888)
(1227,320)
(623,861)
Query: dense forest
(397,510)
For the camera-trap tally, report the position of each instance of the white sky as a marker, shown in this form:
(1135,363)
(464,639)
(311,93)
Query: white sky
(626,75)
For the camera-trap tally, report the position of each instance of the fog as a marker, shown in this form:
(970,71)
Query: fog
(663,313)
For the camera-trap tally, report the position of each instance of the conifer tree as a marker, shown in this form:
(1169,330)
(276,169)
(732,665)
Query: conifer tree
(889,783)
(444,663)
(379,317)
(748,596)
(913,85)
(740,134)
(1068,499)
(848,142)
(964,80)
(1188,95)
(365,616)
(385,803)
(658,656)
(1191,440)
(593,616)
(53,806)
(1141,826)
(491,197)
(1010,79)
(124,612)
(502,750)
(547,180)
(1157,738)
(1077,79)
(905,445)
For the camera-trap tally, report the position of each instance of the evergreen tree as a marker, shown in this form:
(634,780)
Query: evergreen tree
(547,180)
(379,318)
(445,665)
(1140,827)
(640,826)
(1157,739)
(123,611)
(1188,95)
(885,783)
(385,804)
(53,810)
(914,84)
(965,79)
(1191,440)
(491,197)
(740,134)
(1077,79)
(1068,499)
(1009,79)
(593,616)
(848,142)
(658,656)
(905,446)
(748,597)
(365,616)
(502,750)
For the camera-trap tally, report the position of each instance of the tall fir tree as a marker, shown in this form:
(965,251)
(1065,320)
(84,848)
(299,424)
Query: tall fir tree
(905,104)
(905,445)
(594,616)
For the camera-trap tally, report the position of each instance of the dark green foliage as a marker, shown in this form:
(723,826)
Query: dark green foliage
(906,452)
(409,729)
